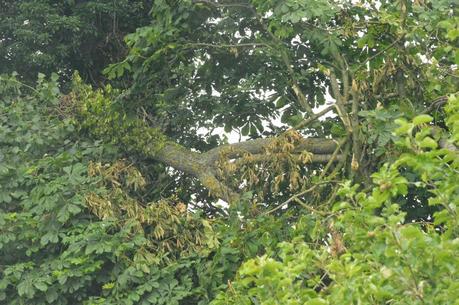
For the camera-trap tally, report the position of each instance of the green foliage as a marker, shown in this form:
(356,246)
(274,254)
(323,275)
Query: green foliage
(100,117)
(55,247)
(75,229)
(372,255)
(89,216)
(48,36)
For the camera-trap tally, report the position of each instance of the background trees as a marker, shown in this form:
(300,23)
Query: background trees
(341,189)
(65,36)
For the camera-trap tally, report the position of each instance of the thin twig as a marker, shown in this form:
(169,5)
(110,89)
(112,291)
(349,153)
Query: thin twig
(294,197)
(341,162)
(314,117)
(20,83)
(221,4)
(339,104)
(355,128)
(307,207)
(410,269)
(438,102)
(278,46)
(378,53)
(333,157)
(238,45)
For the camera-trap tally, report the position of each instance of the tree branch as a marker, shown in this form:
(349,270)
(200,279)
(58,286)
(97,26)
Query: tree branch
(224,45)
(342,113)
(203,166)
(265,158)
(314,117)
(192,163)
(313,145)
(135,135)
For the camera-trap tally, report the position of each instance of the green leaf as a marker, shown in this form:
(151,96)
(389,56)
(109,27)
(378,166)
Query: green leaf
(428,142)
(25,288)
(41,286)
(421,119)
(228,128)
(245,129)
(411,232)
(317,301)
(404,127)
(281,102)
(51,295)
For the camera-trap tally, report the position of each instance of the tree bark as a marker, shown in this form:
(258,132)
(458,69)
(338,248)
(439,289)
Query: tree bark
(136,135)
(203,165)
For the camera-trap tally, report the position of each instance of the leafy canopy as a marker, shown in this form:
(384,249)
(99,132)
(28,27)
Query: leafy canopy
(111,194)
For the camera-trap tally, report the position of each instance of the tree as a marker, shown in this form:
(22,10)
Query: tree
(340,190)
(64,36)
(240,65)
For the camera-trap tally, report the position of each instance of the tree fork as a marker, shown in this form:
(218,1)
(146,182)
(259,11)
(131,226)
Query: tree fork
(98,118)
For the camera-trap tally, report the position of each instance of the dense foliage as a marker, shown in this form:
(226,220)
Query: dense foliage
(63,36)
(372,255)
(128,192)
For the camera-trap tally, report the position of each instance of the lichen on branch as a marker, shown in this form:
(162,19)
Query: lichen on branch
(99,116)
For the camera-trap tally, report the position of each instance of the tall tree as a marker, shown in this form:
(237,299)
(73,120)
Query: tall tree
(64,36)
(242,65)
(342,188)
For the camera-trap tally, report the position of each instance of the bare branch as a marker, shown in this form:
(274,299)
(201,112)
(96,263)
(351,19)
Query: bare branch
(378,53)
(313,145)
(191,163)
(356,143)
(266,158)
(339,102)
(296,197)
(203,166)
(334,157)
(215,4)
(224,45)
(314,117)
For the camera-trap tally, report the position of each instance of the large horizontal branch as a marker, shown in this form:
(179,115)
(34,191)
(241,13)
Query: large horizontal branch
(203,165)
(267,158)
(257,146)
(102,121)
(192,163)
